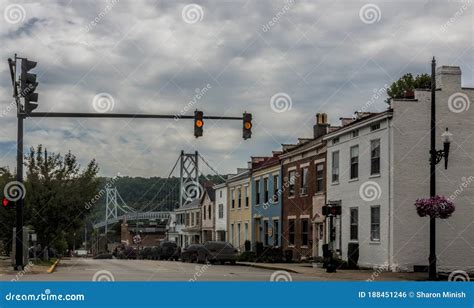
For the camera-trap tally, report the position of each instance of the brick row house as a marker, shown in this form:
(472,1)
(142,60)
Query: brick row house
(376,166)
(303,171)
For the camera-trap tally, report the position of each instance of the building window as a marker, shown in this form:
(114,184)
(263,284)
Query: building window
(209,211)
(265,190)
(246,231)
(232,197)
(265,232)
(375,223)
(355,162)
(291,231)
(192,219)
(291,182)
(221,210)
(246,196)
(375,156)
(320,177)
(232,234)
(335,166)
(238,234)
(276,235)
(257,192)
(304,232)
(220,194)
(275,189)
(304,181)
(375,126)
(239,198)
(204,212)
(321,231)
(354,221)
(198,219)
(355,133)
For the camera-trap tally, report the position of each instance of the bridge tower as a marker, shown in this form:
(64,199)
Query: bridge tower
(189,178)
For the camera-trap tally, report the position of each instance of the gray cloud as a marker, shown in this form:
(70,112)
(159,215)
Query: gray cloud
(142,52)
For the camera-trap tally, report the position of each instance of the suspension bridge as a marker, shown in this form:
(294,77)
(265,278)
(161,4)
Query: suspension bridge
(157,215)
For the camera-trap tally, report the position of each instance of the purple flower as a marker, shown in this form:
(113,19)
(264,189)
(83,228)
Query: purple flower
(437,206)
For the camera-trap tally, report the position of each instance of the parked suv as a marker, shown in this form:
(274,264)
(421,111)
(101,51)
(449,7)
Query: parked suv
(222,252)
(210,252)
(168,250)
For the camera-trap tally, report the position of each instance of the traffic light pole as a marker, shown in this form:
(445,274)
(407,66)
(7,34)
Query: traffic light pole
(121,115)
(19,203)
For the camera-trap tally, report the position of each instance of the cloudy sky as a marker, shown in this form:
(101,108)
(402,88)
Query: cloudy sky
(283,61)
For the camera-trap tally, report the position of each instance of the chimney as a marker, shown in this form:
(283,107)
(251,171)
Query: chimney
(448,77)
(321,126)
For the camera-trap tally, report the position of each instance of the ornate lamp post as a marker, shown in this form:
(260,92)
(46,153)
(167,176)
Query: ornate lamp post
(435,157)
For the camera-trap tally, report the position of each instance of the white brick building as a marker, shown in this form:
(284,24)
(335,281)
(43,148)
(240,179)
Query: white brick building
(387,228)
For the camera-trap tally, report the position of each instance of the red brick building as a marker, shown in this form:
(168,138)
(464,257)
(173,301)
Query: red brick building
(304,193)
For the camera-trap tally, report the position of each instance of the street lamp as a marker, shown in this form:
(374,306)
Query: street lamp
(435,157)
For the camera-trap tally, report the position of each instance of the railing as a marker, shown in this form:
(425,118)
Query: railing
(134,216)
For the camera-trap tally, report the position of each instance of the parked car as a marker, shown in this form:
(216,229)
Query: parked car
(167,251)
(193,253)
(210,252)
(222,252)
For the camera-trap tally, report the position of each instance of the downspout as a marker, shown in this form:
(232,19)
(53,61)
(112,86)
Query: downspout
(390,172)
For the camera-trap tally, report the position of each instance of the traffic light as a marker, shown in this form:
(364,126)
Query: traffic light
(28,85)
(7,203)
(198,123)
(247,126)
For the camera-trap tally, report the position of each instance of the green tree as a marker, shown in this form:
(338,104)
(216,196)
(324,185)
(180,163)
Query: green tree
(56,194)
(406,83)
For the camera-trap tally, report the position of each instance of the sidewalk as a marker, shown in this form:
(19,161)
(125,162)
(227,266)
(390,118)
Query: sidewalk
(7,272)
(320,273)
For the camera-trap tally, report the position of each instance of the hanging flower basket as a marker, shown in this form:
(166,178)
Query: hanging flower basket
(437,206)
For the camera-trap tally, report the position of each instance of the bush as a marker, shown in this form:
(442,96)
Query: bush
(247,256)
(272,255)
(248,245)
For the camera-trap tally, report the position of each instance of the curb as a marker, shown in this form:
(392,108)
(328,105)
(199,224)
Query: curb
(53,267)
(270,267)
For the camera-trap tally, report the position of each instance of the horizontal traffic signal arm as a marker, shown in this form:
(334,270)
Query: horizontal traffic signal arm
(122,115)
